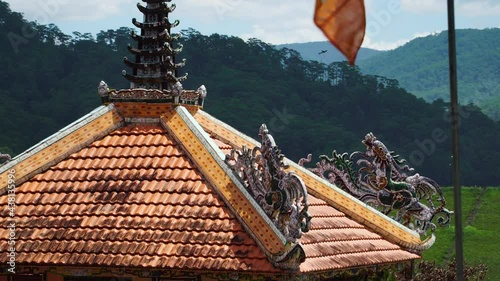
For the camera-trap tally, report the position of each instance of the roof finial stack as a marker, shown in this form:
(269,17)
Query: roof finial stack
(154,66)
(154,70)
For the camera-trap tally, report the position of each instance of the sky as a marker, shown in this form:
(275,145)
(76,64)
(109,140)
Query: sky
(390,23)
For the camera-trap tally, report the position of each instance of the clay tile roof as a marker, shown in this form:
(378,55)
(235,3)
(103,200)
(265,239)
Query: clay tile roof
(338,242)
(132,198)
(148,194)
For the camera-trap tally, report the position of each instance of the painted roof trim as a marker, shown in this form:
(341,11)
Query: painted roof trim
(344,202)
(60,145)
(223,131)
(210,161)
(361,212)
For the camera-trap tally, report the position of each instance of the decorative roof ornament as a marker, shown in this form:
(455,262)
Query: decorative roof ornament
(103,91)
(177,89)
(154,76)
(202,91)
(154,66)
(4,159)
(282,195)
(377,177)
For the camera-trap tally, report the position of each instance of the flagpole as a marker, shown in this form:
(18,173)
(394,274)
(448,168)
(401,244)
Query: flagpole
(455,145)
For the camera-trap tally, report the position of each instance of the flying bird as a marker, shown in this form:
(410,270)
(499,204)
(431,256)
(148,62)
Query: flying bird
(322,52)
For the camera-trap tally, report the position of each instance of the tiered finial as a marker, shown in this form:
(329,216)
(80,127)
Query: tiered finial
(154,70)
(155,66)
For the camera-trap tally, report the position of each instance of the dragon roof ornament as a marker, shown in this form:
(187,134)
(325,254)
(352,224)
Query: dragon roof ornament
(282,195)
(379,178)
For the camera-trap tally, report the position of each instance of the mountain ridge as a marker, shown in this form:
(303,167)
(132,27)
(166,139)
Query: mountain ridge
(421,65)
(315,51)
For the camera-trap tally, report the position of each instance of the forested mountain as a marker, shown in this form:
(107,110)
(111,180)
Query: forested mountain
(316,51)
(421,66)
(50,79)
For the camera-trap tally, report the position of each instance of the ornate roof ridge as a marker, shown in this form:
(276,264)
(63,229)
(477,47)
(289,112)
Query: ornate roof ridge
(283,250)
(177,96)
(321,188)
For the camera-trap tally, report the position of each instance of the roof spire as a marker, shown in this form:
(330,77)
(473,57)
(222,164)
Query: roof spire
(154,76)
(155,66)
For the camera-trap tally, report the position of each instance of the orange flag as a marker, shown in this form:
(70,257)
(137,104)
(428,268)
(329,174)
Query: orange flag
(343,22)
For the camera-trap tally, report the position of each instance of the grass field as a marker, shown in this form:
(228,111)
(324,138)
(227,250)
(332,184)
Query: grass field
(481,221)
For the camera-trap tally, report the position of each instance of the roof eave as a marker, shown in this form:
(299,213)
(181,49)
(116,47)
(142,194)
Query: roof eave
(60,145)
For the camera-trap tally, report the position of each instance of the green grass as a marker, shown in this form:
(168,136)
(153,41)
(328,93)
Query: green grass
(481,239)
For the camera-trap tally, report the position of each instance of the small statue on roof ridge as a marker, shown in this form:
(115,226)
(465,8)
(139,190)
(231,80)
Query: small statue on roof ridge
(202,91)
(103,89)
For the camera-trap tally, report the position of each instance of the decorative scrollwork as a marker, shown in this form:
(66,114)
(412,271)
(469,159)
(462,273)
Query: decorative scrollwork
(138,94)
(177,95)
(282,195)
(378,177)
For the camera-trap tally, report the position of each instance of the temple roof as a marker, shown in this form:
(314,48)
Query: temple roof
(145,185)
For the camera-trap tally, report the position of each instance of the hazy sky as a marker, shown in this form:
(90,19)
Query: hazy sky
(390,23)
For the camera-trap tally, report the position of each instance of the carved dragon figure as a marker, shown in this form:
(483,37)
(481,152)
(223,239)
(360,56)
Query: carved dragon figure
(281,194)
(379,178)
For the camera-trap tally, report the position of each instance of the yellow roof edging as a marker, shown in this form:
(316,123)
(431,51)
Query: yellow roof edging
(210,161)
(336,197)
(224,131)
(60,145)
(359,211)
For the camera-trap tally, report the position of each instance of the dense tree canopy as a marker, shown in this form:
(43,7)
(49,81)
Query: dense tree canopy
(310,107)
(421,66)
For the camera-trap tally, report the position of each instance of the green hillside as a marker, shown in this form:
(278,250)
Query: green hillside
(481,227)
(421,66)
(308,106)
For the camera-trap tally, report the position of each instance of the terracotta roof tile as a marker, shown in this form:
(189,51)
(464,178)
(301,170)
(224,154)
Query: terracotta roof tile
(118,260)
(337,234)
(132,198)
(119,174)
(355,260)
(336,241)
(163,186)
(174,162)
